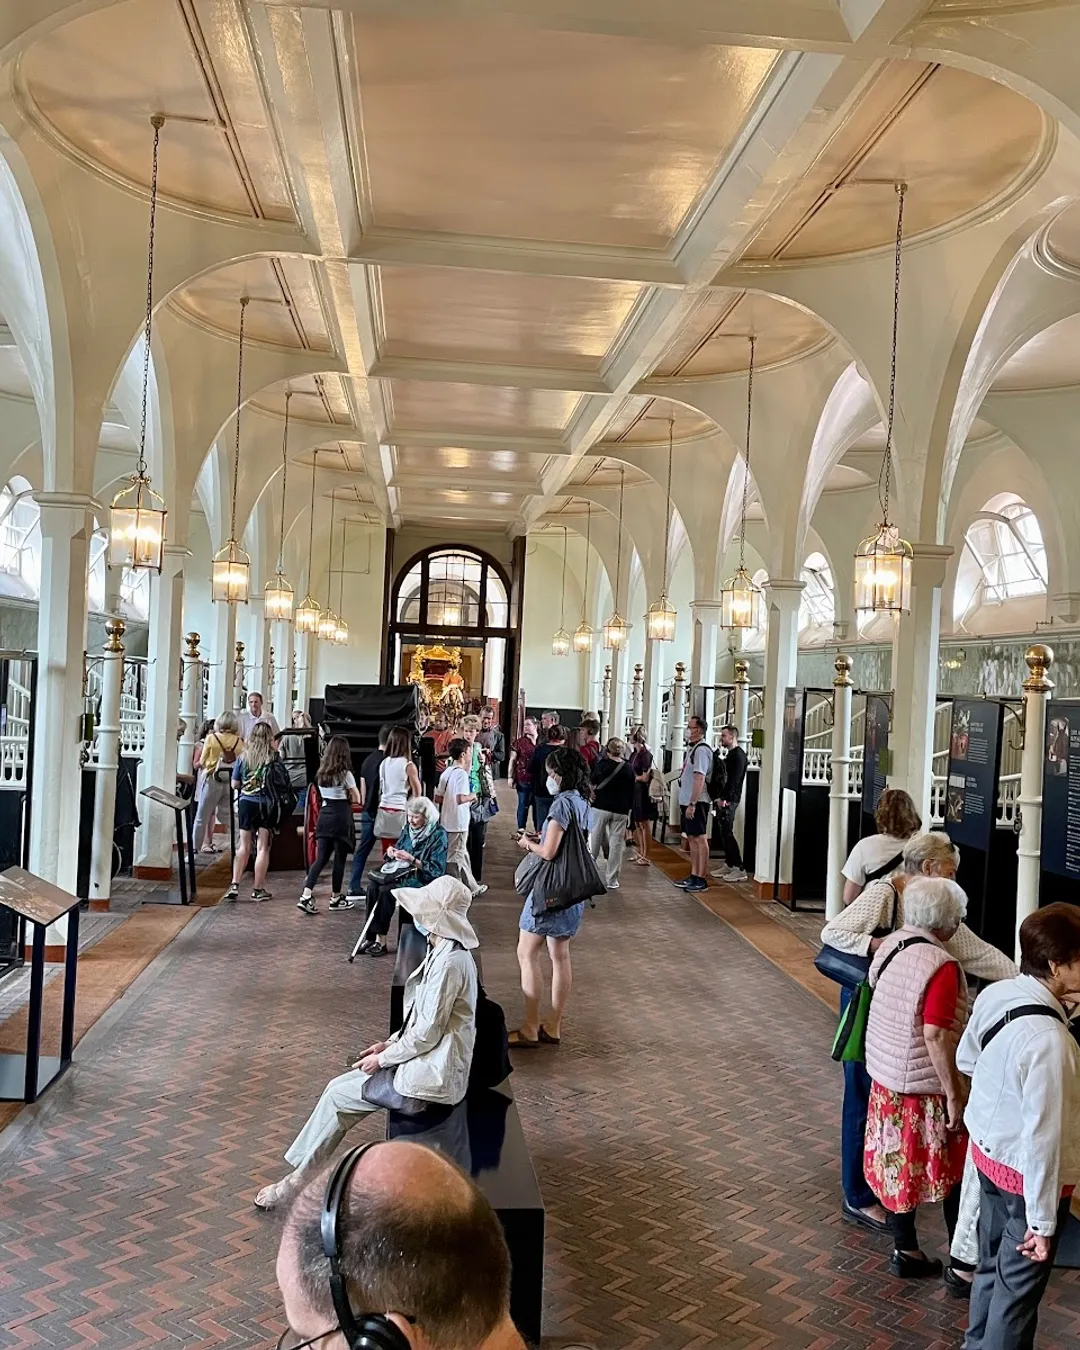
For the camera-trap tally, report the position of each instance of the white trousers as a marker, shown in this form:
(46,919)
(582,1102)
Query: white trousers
(336,1112)
(607,838)
(457,860)
(965,1243)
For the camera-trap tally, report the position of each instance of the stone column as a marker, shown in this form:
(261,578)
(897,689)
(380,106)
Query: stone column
(303,645)
(156,834)
(636,701)
(221,658)
(258,658)
(282,633)
(190,701)
(653,694)
(66,526)
(781,654)
(741,712)
(839,787)
(706,633)
(1037,690)
(915,677)
(108,761)
(676,739)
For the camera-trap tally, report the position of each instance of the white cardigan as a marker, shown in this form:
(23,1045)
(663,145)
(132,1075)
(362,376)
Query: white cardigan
(434,1048)
(1024,1108)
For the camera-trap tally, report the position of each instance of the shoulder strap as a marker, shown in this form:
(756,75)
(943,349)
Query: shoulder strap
(610,778)
(883,871)
(901,946)
(1024,1010)
(895,908)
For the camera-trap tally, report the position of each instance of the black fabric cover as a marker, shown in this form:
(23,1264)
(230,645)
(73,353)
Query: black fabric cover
(357,711)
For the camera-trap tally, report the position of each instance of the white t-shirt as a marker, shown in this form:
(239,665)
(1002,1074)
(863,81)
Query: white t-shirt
(871,853)
(394,783)
(339,793)
(248,720)
(698,760)
(454,783)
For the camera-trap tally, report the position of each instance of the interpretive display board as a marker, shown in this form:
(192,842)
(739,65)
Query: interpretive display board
(875,750)
(1061,791)
(972,788)
(791,753)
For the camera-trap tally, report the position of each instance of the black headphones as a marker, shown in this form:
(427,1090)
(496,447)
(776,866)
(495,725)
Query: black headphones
(362,1331)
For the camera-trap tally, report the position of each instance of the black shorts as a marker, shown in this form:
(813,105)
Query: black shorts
(253,814)
(695,820)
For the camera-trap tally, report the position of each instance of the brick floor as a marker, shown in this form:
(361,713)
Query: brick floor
(685,1136)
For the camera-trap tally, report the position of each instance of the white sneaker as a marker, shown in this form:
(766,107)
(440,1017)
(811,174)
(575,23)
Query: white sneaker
(736,874)
(721,873)
(613,885)
(480,890)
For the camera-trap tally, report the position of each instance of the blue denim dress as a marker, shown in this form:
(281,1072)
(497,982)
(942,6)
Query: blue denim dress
(566,922)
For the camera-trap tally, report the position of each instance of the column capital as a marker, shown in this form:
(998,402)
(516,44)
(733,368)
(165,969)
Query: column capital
(706,606)
(790,584)
(929,563)
(67,501)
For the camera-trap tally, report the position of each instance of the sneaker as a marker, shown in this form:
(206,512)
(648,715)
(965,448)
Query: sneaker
(307,904)
(736,874)
(613,885)
(343,902)
(480,890)
(721,873)
(261,893)
(233,892)
(696,884)
(682,885)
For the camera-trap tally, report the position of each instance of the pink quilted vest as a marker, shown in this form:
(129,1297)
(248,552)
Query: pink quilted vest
(896,1053)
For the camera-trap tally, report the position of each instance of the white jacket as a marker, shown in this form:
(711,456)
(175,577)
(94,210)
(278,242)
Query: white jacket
(1024,1108)
(434,1048)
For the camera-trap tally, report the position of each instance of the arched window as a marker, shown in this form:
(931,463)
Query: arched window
(1003,557)
(817,608)
(453,588)
(20,540)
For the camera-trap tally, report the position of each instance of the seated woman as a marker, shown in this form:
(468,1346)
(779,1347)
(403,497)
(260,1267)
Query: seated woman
(915,1139)
(422,844)
(1024,1118)
(428,1059)
(861,928)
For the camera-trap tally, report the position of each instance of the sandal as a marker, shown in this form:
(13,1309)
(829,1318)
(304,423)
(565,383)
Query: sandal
(642,862)
(548,1038)
(517,1041)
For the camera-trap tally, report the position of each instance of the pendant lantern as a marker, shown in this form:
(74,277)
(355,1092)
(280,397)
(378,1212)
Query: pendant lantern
(309,613)
(740,600)
(231,572)
(278,595)
(661,618)
(616,629)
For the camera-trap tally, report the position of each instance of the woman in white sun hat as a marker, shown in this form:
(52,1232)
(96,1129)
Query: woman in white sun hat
(428,1060)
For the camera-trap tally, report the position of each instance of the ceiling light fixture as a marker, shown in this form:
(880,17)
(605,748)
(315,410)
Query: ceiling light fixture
(661,618)
(137,515)
(278,595)
(584,632)
(341,632)
(328,620)
(883,561)
(231,573)
(560,643)
(617,630)
(309,614)
(740,599)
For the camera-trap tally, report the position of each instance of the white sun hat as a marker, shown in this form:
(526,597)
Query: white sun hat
(441,907)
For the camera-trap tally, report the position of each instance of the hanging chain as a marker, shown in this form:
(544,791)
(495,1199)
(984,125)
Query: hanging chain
(885,478)
(618,555)
(562,605)
(588,542)
(330,556)
(284,480)
(341,571)
(157,122)
(239,398)
(746,465)
(311,521)
(667,522)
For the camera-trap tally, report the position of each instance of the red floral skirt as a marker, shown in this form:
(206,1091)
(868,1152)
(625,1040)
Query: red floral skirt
(911,1158)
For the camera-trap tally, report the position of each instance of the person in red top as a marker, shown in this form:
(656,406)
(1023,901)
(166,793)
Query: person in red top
(519,771)
(590,745)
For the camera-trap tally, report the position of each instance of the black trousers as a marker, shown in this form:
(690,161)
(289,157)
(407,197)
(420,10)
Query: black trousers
(725,818)
(474,846)
(380,898)
(327,848)
(903,1225)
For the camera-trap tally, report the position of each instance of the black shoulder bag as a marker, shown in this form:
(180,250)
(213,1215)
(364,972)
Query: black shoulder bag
(848,968)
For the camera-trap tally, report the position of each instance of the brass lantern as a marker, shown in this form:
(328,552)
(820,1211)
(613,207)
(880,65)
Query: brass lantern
(231,575)
(560,643)
(328,623)
(341,629)
(583,638)
(616,629)
(661,618)
(307,616)
(341,632)
(309,613)
(584,632)
(137,515)
(740,600)
(278,594)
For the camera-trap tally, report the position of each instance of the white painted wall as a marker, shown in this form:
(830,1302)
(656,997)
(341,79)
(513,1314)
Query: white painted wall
(358,661)
(545,678)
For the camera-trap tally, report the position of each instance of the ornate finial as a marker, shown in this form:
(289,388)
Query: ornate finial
(240,651)
(742,672)
(639,670)
(842,665)
(607,672)
(115,628)
(192,653)
(1039,659)
(680,670)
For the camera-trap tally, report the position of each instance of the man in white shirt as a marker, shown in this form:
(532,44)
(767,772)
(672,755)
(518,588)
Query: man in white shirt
(694,800)
(256,714)
(453,796)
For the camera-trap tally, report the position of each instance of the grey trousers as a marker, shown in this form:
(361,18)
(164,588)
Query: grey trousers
(337,1110)
(1008,1286)
(607,838)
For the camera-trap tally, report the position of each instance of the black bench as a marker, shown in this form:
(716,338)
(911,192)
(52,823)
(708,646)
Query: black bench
(483,1135)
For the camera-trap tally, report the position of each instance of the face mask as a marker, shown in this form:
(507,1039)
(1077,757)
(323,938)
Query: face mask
(424,932)
(552,786)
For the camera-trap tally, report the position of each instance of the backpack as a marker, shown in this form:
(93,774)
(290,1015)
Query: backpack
(491,1051)
(278,790)
(717,779)
(228,752)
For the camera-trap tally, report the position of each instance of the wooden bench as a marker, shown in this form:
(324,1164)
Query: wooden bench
(483,1135)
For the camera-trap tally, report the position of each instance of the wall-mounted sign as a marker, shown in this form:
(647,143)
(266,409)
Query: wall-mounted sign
(876,759)
(1061,791)
(972,787)
(791,754)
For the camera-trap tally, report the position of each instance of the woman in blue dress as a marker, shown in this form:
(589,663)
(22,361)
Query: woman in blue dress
(569,787)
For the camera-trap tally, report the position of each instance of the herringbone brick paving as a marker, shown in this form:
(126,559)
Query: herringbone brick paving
(685,1137)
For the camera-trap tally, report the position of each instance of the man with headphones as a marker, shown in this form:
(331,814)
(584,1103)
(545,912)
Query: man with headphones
(394,1249)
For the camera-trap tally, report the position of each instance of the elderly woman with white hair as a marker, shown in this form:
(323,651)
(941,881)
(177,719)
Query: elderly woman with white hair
(421,848)
(915,1140)
(860,929)
(427,1061)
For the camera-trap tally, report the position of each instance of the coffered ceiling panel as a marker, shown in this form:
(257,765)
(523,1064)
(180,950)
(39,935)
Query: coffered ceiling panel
(644,421)
(491,130)
(478,407)
(286,305)
(1064,238)
(463,496)
(600,472)
(316,398)
(715,339)
(503,317)
(97,81)
(494,464)
(1050,360)
(958,140)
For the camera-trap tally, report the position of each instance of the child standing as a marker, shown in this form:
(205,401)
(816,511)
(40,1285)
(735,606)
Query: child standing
(334,828)
(454,796)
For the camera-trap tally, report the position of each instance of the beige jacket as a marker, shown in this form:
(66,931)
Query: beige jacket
(434,1048)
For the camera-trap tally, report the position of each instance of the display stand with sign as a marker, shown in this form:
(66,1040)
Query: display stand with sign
(40,903)
(877,721)
(802,854)
(1060,847)
(185,847)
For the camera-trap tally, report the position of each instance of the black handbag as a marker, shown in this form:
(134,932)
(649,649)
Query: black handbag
(848,968)
(569,878)
(491,1051)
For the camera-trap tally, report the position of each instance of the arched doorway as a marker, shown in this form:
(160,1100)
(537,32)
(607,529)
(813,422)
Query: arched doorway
(451,624)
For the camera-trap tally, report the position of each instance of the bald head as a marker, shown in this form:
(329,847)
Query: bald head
(417,1239)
